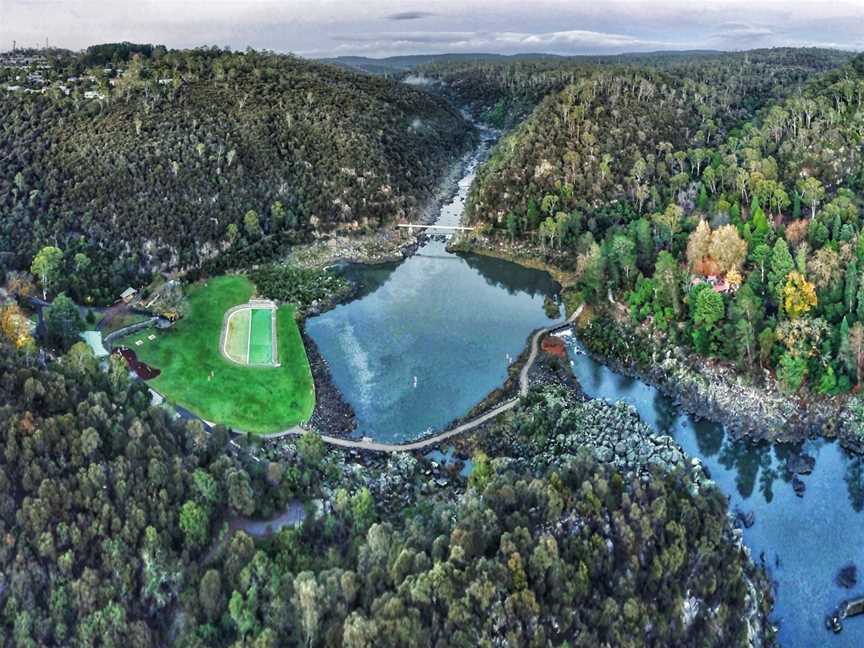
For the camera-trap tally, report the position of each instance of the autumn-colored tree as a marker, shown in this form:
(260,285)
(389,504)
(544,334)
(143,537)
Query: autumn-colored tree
(14,326)
(698,245)
(796,231)
(20,283)
(727,248)
(799,295)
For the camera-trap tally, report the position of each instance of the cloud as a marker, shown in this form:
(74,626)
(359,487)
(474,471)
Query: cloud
(410,15)
(508,42)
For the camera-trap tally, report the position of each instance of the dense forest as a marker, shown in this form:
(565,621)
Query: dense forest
(166,159)
(503,92)
(728,222)
(110,512)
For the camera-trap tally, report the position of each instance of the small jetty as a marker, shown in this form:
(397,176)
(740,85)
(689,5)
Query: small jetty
(852,607)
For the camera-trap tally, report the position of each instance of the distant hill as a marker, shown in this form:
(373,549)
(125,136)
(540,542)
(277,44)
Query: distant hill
(400,64)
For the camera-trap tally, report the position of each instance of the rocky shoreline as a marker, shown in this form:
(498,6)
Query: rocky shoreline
(712,390)
(748,412)
(332,415)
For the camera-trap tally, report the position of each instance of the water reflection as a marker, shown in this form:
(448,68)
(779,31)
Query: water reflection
(502,274)
(804,540)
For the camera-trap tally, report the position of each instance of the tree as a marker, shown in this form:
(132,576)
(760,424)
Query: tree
(824,267)
(799,295)
(644,245)
(82,262)
(746,342)
(512,225)
(232,232)
(311,449)
(550,203)
(362,510)
(669,222)
(46,265)
(856,348)
(195,523)
(727,248)
(482,472)
(241,497)
(781,265)
(14,326)
(277,213)
(210,594)
(251,224)
(62,322)
(698,246)
(791,373)
(623,253)
(812,192)
(590,268)
(709,308)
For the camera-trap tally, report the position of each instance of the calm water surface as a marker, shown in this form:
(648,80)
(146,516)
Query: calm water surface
(453,323)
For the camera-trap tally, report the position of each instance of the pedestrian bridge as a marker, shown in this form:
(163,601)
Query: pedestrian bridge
(437,228)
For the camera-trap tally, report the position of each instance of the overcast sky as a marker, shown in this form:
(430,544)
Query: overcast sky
(318,28)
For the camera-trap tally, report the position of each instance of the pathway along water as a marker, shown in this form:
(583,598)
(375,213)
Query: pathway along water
(451,321)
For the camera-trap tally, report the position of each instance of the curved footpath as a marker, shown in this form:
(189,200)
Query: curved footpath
(421,444)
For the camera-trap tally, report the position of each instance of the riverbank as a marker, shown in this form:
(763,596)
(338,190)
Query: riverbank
(709,389)
(390,244)
(717,392)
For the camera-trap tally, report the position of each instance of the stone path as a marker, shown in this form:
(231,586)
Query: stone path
(368,444)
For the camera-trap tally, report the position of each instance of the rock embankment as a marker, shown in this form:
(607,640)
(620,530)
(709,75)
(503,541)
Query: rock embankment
(616,435)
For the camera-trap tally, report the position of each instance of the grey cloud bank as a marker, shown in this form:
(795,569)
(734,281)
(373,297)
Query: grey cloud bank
(377,27)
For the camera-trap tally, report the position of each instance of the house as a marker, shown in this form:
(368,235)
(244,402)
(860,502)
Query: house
(128,295)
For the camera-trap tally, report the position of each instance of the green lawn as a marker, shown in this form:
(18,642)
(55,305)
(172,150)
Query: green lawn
(261,340)
(196,376)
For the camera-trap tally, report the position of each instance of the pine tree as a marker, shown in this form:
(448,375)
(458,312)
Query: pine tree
(781,265)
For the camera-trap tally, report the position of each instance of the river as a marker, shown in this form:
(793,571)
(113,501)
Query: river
(427,339)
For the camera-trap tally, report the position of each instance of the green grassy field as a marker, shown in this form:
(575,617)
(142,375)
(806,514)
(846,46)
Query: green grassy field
(196,376)
(261,343)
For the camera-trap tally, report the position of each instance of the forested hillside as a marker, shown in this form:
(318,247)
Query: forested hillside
(504,91)
(166,158)
(734,233)
(111,514)
(105,504)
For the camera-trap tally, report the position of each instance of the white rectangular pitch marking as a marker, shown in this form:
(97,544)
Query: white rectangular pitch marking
(249,341)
